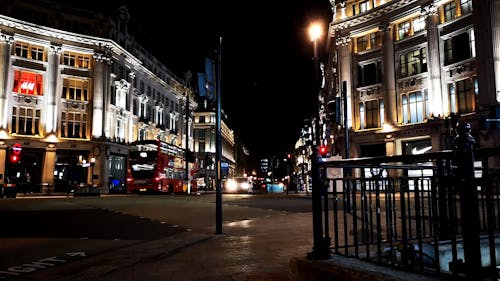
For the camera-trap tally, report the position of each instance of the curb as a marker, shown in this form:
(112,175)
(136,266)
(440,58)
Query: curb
(348,269)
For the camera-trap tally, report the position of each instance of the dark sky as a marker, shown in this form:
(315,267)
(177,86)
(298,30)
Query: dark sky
(266,59)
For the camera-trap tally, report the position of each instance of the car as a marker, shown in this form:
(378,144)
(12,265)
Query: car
(238,185)
(259,186)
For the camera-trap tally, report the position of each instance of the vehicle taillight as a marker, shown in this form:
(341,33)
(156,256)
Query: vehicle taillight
(157,179)
(129,179)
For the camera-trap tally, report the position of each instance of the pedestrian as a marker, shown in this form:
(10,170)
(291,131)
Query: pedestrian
(27,187)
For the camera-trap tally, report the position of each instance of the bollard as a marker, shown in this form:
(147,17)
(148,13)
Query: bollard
(464,160)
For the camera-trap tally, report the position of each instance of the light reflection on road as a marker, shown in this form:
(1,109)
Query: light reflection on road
(240,224)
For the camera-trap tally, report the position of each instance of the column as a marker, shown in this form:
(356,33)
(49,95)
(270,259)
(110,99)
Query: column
(495,24)
(483,18)
(390,105)
(51,93)
(3,155)
(437,103)
(344,58)
(5,48)
(49,165)
(100,72)
(130,126)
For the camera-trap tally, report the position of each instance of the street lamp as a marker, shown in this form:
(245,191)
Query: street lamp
(321,245)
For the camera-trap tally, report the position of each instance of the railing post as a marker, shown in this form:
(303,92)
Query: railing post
(442,191)
(469,214)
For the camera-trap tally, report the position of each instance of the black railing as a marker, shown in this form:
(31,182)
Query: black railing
(431,213)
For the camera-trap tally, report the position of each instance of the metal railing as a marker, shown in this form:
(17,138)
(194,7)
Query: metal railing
(434,213)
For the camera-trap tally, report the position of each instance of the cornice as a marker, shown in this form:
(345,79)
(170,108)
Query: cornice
(67,36)
(370,15)
(98,45)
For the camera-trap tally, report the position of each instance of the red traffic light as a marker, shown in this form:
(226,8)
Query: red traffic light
(323,150)
(289,156)
(14,158)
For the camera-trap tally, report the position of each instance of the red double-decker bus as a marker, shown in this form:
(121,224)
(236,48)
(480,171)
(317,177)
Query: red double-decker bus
(155,166)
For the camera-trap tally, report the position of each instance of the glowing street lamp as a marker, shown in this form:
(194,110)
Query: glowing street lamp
(321,245)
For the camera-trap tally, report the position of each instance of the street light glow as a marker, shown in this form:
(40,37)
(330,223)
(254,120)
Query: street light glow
(315,31)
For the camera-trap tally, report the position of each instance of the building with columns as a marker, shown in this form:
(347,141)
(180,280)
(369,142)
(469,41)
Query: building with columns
(75,90)
(412,69)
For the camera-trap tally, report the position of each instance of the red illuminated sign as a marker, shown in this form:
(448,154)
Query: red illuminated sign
(16,149)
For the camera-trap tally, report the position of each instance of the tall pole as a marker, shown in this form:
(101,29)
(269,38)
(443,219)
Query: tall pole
(218,141)
(321,248)
(186,158)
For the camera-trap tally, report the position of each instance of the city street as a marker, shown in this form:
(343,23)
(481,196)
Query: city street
(49,236)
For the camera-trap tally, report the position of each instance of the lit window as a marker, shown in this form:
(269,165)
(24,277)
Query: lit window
(29,51)
(403,30)
(74,125)
(418,24)
(361,115)
(372,114)
(363,6)
(75,89)
(415,107)
(28,83)
(466,6)
(375,40)
(25,121)
(462,96)
(381,110)
(413,62)
(450,11)
(362,43)
(75,60)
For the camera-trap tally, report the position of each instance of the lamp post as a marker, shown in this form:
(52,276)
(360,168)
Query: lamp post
(92,164)
(321,247)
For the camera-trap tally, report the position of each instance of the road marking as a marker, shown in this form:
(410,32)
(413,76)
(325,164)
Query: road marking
(39,264)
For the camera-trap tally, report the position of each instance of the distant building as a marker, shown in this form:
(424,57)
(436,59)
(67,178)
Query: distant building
(412,69)
(75,89)
(205,145)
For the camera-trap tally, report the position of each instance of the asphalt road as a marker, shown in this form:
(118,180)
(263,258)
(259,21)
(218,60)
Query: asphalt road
(37,234)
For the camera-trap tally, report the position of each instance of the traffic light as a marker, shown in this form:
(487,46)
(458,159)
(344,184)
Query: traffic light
(323,150)
(15,153)
(14,159)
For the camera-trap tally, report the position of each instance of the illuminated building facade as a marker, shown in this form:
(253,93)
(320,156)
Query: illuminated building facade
(205,135)
(75,89)
(412,69)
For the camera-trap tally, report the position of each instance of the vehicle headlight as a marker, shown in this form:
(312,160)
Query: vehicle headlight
(231,185)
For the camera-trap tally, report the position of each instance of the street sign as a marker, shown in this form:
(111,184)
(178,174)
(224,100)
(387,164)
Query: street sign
(16,149)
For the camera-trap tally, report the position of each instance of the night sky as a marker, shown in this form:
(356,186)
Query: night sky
(266,59)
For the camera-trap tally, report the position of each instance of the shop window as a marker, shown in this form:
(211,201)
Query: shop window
(28,83)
